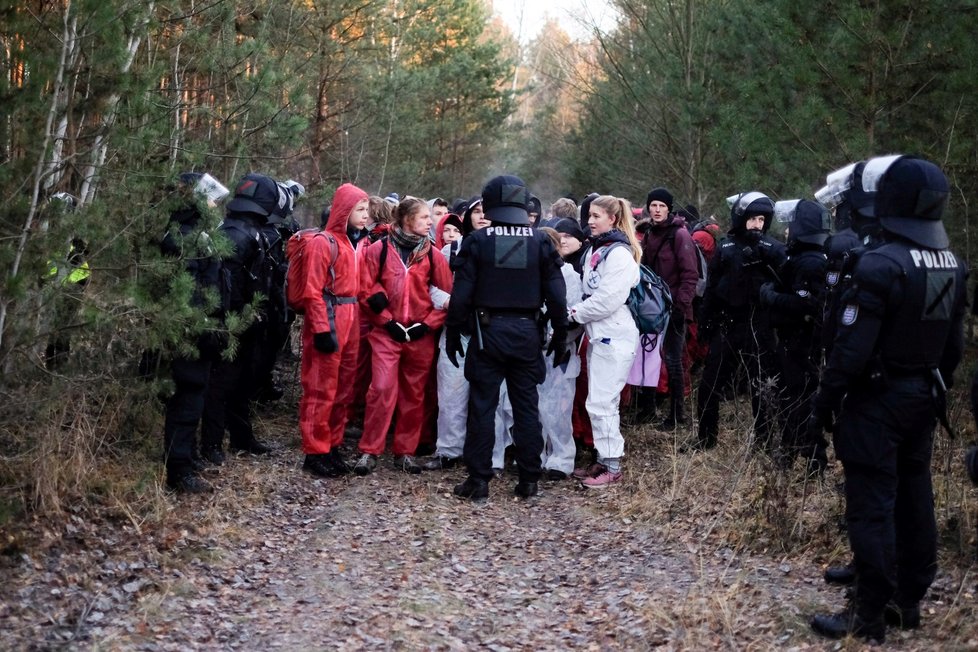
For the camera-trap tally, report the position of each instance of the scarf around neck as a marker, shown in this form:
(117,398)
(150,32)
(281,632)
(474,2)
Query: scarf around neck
(417,245)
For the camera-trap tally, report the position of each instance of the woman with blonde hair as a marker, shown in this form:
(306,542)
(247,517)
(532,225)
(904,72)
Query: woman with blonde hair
(610,272)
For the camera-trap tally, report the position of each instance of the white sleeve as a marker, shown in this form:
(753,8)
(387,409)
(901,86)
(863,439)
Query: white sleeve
(439,298)
(618,275)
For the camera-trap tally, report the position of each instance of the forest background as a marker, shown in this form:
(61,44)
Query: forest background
(110,101)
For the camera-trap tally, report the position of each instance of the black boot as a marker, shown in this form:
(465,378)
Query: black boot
(849,622)
(903,617)
(841,575)
(645,401)
(319,465)
(253,447)
(188,483)
(474,489)
(525,489)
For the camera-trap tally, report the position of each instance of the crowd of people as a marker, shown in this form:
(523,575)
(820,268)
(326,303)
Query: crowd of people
(490,328)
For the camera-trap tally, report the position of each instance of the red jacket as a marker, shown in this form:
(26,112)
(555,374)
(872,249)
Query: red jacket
(344,281)
(406,287)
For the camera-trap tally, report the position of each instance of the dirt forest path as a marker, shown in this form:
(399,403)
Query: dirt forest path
(278,560)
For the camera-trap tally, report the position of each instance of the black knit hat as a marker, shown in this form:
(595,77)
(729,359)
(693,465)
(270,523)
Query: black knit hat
(570,227)
(659,194)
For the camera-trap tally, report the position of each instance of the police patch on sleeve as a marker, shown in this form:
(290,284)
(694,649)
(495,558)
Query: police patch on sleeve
(831,279)
(849,314)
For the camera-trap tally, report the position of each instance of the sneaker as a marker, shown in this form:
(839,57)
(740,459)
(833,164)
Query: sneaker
(253,447)
(589,471)
(602,480)
(318,465)
(189,483)
(472,489)
(555,475)
(365,465)
(439,462)
(408,464)
(213,456)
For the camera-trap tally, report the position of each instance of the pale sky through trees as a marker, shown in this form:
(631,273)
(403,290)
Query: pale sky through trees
(569,13)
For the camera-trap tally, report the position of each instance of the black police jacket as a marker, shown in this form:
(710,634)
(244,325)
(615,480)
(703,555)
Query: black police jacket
(903,315)
(247,265)
(507,268)
(200,260)
(742,264)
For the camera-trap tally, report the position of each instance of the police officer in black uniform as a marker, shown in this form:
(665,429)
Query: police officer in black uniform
(733,321)
(796,304)
(232,381)
(187,239)
(503,274)
(899,339)
(274,331)
(857,231)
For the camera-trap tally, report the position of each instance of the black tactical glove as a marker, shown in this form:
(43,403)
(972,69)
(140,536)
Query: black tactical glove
(397,332)
(453,346)
(823,414)
(377,302)
(558,347)
(768,295)
(416,331)
(325,342)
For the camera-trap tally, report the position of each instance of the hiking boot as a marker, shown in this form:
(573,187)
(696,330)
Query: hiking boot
(439,462)
(253,447)
(848,622)
(213,456)
(602,480)
(473,489)
(189,483)
(408,464)
(840,575)
(365,465)
(525,489)
(555,475)
(335,459)
(902,617)
(590,471)
(318,465)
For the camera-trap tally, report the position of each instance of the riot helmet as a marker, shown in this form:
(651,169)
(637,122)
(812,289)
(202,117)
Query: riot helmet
(504,199)
(747,205)
(808,221)
(911,195)
(256,194)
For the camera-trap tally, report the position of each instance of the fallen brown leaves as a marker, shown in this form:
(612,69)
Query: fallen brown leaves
(680,556)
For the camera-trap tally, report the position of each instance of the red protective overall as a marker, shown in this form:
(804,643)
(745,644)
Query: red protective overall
(399,371)
(321,418)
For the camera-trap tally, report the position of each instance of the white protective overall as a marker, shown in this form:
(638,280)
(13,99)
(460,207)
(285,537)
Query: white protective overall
(557,398)
(613,341)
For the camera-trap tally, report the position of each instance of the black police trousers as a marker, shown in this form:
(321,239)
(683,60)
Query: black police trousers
(228,401)
(734,348)
(183,413)
(885,442)
(799,381)
(511,351)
